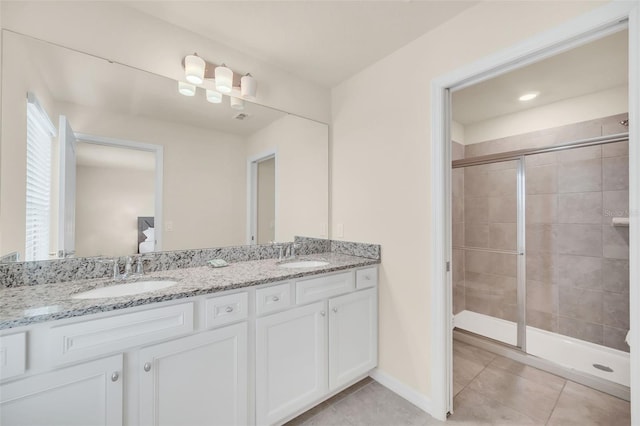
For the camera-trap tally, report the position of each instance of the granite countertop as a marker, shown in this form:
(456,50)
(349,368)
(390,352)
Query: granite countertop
(20,306)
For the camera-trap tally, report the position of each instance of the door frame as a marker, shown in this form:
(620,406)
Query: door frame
(575,32)
(158,151)
(252,193)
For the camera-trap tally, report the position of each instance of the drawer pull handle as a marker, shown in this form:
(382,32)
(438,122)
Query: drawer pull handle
(335,310)
(367,278)
(115,376)
(323,313)
(229,309)
(275,298)
(147,366)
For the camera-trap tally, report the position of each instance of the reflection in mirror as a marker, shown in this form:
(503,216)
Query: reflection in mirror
(135,167)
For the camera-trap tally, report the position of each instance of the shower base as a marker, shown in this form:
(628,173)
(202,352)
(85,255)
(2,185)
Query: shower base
(567,352)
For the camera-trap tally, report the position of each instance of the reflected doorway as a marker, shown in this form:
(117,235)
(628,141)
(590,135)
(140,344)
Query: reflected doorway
(262,203)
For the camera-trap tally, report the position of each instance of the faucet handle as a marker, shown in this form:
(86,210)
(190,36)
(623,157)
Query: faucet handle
(139,266)
(115,269)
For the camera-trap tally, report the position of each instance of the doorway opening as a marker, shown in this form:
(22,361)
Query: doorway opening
(118,196)
(602,22)
(262,198)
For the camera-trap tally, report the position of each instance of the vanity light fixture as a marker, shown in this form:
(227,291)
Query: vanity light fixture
(528,96)
(248,86)
(236,103)
(186,89)
(194,67)
(224,79)
(217,80)
(213,96)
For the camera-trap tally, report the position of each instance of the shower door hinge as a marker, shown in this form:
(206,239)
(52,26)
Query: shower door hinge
(448,266)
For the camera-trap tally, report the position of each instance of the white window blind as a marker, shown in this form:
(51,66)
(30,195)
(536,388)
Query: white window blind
(40,132)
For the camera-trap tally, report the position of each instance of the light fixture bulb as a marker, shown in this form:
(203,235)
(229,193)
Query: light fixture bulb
(224,79)
(528,96)
(236,103)
(194,69)
(186,89)
(248,86)
(213,96)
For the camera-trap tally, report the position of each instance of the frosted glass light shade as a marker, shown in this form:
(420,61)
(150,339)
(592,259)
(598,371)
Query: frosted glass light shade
(213,96)
(236,103)
(248,87)
(186,89)
(224,79)
(194,69)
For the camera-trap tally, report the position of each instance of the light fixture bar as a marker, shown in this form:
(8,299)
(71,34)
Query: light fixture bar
(210,72)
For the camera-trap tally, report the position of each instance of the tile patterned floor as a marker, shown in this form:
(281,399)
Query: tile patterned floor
(489,390)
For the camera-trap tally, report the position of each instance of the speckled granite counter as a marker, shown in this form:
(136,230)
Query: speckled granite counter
(26,305)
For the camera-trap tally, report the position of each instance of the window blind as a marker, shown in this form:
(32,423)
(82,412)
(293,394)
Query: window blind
(40,132)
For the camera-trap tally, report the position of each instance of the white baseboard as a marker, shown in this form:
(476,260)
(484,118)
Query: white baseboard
(416,398)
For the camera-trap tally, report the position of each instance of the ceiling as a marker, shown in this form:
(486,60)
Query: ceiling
(92,155)
(324,42)
(590,68)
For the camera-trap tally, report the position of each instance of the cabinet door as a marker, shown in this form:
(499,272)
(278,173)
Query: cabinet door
(82,395)
(353,336)
(196,380)
(291,361)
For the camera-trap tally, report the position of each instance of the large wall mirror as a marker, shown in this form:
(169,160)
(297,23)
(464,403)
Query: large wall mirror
(102,159)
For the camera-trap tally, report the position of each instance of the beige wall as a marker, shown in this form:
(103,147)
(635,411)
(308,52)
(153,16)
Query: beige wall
(380,163)
(122,34)
(108,203)
(301,174)
(594,105)
(204,175)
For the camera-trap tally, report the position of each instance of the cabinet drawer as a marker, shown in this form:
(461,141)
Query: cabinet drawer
(273,298)
(13,355)
(89,338)
(323,287)
(367,277)
(226,309)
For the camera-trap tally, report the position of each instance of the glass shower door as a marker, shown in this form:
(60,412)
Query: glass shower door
(488,298)
(578,258)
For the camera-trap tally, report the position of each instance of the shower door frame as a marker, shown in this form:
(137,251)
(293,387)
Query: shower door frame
(595,24)
(520,251)
(521,197)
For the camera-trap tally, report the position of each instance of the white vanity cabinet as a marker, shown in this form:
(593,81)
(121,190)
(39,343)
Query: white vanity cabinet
(309,352)
(196,380)
(353,336)
(85,394)
(256,355)
(291,361)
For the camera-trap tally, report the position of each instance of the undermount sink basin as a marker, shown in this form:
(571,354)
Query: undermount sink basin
(304,264)
(127,289)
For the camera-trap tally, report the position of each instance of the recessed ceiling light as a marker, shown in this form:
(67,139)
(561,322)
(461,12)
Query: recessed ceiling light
(528,96)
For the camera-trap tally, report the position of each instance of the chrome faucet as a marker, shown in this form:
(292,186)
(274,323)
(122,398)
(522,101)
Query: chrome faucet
(286,250)
(128,267)
(281,248)
(291,249)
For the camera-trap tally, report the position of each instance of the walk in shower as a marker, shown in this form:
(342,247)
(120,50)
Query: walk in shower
(541,246)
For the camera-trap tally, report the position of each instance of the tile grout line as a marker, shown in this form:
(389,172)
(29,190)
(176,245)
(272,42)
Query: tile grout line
(556,403)
(474,377)
(331,406)
(523,378)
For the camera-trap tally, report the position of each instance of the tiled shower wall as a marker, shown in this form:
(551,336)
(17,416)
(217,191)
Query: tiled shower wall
(457,201)
(577,262)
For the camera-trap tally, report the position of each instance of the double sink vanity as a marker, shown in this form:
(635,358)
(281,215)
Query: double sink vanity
(256,342)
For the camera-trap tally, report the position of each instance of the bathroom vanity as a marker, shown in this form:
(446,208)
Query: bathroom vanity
(252,343)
